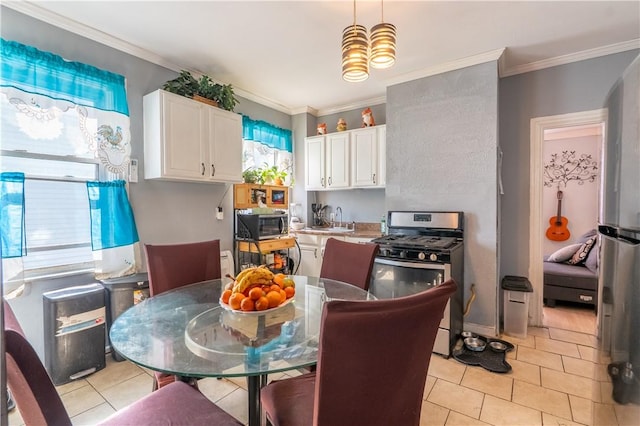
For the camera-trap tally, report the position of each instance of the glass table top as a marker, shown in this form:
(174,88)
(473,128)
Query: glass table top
(186,332)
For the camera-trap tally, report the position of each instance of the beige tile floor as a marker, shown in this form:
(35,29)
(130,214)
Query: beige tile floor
(557,378)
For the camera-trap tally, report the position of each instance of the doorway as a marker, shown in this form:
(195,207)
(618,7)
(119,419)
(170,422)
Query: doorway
(537,221)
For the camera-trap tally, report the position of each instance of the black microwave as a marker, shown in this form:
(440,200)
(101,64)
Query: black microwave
(261,226)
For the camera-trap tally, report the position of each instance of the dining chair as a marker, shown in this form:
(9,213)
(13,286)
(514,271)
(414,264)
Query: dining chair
(40,404)
(373,358)
(349,262)
(171,266)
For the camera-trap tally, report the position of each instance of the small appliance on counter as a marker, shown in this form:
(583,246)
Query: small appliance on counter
(255,227)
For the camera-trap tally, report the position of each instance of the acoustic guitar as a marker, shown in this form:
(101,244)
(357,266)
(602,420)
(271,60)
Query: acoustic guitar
(558,230)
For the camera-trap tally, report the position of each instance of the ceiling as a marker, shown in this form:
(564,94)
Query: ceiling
(286,54)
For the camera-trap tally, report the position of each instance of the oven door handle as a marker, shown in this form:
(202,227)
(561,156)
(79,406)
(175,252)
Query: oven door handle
(409,264)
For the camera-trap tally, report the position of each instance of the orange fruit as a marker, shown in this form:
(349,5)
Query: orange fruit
(247,304)
(256,293)
(288,282)
(275,287)
(283,295)
(225,296)
(274,298)
(290,291)
(279,278)
(262,304)
(235,300)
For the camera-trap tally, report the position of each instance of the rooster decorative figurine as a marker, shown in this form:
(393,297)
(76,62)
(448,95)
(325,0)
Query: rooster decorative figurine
(322,128)
(367,118)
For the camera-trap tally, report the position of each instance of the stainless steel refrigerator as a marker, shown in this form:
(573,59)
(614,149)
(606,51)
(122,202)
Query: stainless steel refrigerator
(619,228)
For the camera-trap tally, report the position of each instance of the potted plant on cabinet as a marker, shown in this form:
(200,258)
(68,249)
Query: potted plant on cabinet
(186,85)
(251,175)
(272,174)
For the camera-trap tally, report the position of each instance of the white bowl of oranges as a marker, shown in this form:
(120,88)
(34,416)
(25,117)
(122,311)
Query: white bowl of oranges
(257,289)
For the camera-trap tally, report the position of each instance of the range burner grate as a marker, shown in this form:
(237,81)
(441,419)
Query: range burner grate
(417,241)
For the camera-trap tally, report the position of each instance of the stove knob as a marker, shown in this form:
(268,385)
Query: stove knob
(421,255)
(403,254)
(384,252)
(433,257)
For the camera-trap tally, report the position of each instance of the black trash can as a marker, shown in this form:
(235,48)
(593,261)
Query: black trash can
(123,293)
(74,332)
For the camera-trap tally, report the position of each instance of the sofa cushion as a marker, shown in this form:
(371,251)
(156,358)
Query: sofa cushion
(592,260)
(581,255)
(564,254)
(565,275)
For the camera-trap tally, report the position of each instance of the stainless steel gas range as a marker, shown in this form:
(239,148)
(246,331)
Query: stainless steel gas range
(423,249)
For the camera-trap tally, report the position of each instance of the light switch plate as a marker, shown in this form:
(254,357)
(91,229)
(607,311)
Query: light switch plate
(133,170)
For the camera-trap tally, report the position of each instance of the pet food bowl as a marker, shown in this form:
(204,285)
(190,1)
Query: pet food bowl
(466,334)
(497,346)
(474,344)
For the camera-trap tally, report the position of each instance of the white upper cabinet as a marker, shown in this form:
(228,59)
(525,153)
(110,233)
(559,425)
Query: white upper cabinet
(349,159)
(382,155)
(188,140)
(364,154)
(314,163)
(337,163)
(327,161)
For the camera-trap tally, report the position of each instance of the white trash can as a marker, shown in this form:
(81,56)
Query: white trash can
(517,291)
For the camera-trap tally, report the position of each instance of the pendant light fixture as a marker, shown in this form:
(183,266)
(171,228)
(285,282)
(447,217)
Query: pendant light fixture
(383,43)
(355,51)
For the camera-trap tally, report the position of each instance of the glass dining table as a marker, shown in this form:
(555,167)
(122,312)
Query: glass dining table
(188,333)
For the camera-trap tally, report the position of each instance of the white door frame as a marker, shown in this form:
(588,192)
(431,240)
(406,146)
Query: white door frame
(536,221)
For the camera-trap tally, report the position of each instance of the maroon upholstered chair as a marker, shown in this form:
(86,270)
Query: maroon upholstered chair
(372,366)
(40,404)
(175,265)
(348,262)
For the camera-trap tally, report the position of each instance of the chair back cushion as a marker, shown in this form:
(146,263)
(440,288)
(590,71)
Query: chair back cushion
(374,356)
(30,384)
(348,262)
(174,265)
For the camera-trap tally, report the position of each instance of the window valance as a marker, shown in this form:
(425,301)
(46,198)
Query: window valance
(34,71)
(267,134)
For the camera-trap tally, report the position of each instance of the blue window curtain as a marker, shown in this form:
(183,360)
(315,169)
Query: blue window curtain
(34,71)
(112,222)
(12,215)
(267,134)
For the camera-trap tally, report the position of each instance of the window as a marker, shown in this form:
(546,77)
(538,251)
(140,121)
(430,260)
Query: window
(56,165)
(64,124)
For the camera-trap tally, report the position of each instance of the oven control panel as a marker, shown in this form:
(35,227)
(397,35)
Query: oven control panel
(417,255)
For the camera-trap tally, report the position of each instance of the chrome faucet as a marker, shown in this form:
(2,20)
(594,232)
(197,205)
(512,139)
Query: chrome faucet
(339,210)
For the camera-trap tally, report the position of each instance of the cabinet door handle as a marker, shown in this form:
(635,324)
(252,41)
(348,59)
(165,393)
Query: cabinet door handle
(213,170)
(329,180)
(203,169)
(322,181)
(374,178)
(315,253)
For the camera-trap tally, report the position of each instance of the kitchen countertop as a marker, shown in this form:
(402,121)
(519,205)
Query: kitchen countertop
(362,230)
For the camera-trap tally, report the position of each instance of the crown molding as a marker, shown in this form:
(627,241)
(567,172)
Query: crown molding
(481,58)
(572,57)
(75,27)
(355,105)
(304,110)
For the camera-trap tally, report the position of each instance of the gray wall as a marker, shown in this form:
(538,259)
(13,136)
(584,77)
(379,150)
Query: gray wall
(442,137)
(575,87)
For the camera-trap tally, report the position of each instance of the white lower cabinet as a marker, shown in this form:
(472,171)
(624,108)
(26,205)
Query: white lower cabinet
(312,253)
